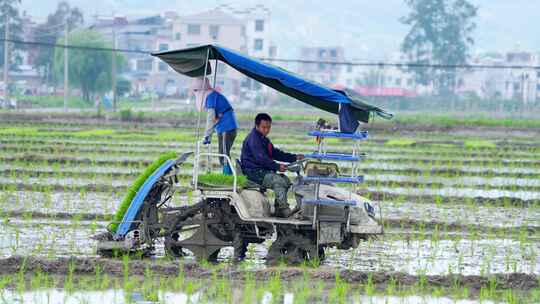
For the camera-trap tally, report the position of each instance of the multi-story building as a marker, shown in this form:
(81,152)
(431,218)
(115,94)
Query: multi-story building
(521,83)
(213,27)
(256,21)
(144,34)
(322,67)
(258,38)
(500,83)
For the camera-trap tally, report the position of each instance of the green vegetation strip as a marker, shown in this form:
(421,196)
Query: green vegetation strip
(132,191)
(218,180)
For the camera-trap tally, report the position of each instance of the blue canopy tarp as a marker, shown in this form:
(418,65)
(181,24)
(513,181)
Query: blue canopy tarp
(191,62)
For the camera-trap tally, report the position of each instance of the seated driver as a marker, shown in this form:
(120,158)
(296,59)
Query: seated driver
(258,158)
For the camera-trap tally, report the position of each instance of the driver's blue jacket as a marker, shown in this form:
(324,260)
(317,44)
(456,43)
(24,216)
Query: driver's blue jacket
(258,153)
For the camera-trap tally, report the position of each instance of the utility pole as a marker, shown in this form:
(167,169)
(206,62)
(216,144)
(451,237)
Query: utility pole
(114,67)
(66,70)
(6,59)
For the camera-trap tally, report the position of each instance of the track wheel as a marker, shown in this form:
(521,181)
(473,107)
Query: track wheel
(292,249)
(171,249)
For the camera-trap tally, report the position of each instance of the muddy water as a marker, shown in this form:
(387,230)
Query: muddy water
(463,214)
(457,181)
(80,182)
(462,254)
(119,296)
(106,204)
(472,169)
(51,238)
(63,169)
(56,202)
(459,192)
(101,173)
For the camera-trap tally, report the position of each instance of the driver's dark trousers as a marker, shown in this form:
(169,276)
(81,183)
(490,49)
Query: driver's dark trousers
(279,183)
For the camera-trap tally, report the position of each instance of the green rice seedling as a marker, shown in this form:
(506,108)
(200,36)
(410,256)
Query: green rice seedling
(338,294)
(391,286)
(274,286)
(510,297)
(216,179)
(249,291)
(369,286)
(402,142)
(132,191)
(125,271)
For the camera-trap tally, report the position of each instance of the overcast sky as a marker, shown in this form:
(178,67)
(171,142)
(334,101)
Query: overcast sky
(368,29)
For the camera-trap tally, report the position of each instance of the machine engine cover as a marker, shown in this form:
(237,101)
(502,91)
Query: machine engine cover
(329,233)
(256,203)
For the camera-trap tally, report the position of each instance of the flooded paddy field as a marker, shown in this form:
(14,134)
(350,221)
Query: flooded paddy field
(461,215)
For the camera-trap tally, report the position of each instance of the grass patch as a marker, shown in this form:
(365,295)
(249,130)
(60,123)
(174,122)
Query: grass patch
(479,144)
(132,191)
(400,142)
(218,179)
(92,133)
(20,131)
(51,101)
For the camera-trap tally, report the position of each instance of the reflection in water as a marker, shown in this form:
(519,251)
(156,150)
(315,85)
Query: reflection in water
(111,296)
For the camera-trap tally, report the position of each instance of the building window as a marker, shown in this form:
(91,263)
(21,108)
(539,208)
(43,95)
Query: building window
(322,66)
(398,81)
(258,44)
(221,69)
(177,36)
(259,25)
(349,68)
(163,46)
(333,53)
(322,53)
(194,29)
(214,31)
(162,66)
(272,51)
(144,65)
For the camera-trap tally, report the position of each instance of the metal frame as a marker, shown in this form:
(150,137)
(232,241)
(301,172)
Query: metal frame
(196,168)
(198,135)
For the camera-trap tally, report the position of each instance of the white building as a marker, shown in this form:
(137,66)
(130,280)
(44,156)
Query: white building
(244,30)
(213,27)
(257,31)
(145,34)
(510,84)
(323,68)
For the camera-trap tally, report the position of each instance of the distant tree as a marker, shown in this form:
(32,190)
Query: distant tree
(123,86)
(89,70)
(50,31)
(10,9)
(440,33)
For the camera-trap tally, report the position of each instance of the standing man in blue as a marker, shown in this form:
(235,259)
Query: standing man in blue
(220,117)
(259,164)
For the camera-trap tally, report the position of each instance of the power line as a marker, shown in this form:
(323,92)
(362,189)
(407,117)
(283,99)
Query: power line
(303,61)
(76,47)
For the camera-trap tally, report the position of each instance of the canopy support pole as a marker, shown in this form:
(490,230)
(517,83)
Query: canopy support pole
(198,142)
(209,147)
